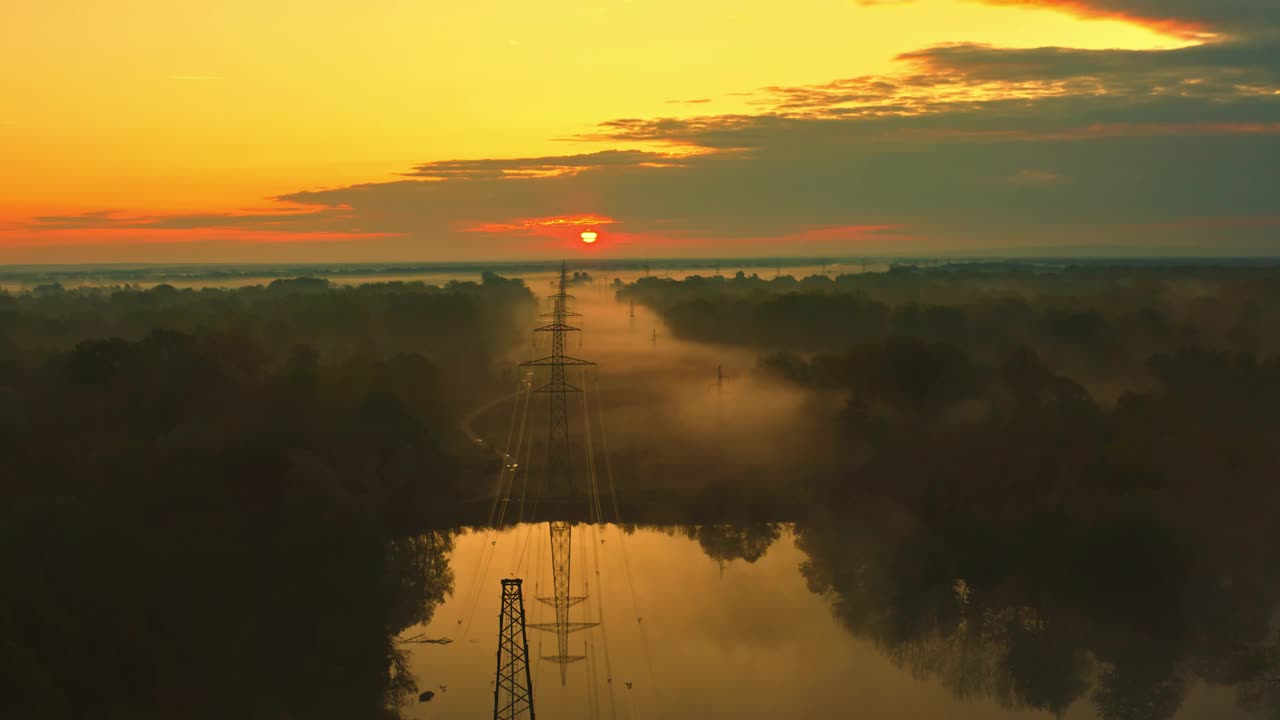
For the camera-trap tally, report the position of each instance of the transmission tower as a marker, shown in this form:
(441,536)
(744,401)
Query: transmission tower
(561,543)
(513,691)
(719,386)
(559,470)
(559,476)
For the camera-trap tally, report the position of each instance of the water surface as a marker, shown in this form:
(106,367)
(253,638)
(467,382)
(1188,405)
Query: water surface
(694,636)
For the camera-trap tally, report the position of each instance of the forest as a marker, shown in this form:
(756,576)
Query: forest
(219,503)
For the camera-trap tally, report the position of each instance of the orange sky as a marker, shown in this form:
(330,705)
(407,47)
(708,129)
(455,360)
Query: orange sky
(145,108)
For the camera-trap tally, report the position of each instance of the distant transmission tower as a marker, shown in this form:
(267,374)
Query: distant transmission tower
(719,386)
(559,474)
(513,691)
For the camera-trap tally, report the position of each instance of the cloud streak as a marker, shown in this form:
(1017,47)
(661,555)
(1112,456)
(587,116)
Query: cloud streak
(966,146)
(1190,18)
(541,166)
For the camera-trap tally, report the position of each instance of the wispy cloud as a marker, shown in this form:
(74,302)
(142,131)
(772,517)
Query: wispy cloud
(553,225)
(541,166)
(963,145)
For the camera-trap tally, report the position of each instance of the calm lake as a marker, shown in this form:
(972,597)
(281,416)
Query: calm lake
(683,634)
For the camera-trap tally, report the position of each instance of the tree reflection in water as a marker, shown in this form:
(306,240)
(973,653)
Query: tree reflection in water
(729,542)
(1117,608)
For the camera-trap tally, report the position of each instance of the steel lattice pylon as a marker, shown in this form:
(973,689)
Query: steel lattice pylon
(559,476)
(561,543)
(513,691)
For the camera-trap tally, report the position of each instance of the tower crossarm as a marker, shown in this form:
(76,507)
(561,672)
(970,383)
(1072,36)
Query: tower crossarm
(564,660)
(568,601)
(551,360)
(567,627)
(562,387)
(557,327)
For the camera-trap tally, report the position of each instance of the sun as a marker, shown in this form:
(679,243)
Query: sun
(589,236)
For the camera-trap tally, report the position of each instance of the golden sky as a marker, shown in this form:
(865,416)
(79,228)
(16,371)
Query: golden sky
(148,108)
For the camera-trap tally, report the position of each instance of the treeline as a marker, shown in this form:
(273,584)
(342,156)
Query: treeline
(460,325)
(213,503)
(1096,322)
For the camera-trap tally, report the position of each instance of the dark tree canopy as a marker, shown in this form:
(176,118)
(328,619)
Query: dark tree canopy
(215,503)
